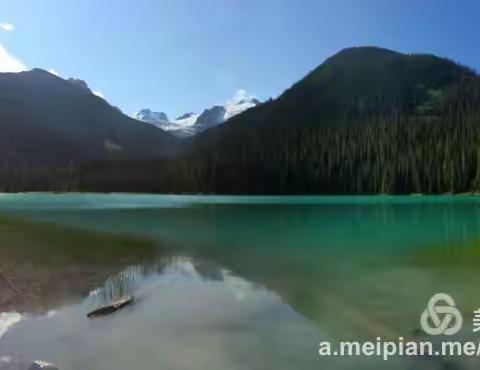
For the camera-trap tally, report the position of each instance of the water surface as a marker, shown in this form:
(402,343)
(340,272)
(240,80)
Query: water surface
(230,282)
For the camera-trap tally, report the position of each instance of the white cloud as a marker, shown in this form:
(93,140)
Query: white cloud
(7,27)
(240,95)
(8,63)
(54,72)
(98,93)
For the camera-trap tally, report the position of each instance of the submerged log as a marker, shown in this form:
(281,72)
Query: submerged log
(111,308)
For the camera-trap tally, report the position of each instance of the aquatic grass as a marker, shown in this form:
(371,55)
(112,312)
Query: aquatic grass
(118,286)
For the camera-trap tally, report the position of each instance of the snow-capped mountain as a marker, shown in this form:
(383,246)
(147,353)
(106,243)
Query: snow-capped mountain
(190,124)
(211,117)
(240,102)
(147,115)
(181,126)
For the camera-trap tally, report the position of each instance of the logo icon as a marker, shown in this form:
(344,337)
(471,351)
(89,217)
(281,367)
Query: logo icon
(441,316)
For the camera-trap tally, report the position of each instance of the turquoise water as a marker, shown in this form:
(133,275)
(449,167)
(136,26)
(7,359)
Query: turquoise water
(371,221)
(256,282)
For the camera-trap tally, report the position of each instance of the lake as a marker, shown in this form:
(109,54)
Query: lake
(231,282)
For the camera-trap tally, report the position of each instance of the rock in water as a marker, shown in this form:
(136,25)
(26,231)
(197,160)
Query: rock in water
(42,365)
(16,363)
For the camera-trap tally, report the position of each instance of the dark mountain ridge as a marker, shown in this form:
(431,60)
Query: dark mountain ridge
(44,117)
(368,120)
(359,84)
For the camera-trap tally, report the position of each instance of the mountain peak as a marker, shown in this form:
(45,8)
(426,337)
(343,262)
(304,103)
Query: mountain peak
(68,121)
(365,51)
(240,97)
(240,102)
(41,71)
(189,124)
(185,116)
(211,117)
(146,115)
(364,83)
(77,82)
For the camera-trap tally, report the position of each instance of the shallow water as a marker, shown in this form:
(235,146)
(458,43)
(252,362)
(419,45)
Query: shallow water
(234,282)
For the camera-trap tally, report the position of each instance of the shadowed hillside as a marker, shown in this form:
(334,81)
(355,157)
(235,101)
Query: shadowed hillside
(368,120)
(46,118)
(362,84)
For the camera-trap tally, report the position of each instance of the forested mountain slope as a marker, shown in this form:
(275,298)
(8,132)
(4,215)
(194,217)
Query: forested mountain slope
(366,121)
(46,118)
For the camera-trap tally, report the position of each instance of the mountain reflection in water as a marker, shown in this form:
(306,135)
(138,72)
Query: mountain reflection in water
(188,315)
(231,282)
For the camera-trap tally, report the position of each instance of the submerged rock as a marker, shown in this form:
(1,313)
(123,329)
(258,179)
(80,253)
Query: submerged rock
(15,363)
(42,365)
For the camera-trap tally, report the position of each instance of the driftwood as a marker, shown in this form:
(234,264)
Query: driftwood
(8,283)
(111,308)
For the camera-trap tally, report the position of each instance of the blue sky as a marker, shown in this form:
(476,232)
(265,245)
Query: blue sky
(185,55)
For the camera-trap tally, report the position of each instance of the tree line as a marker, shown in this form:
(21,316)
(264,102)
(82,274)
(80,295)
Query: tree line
(393,155)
